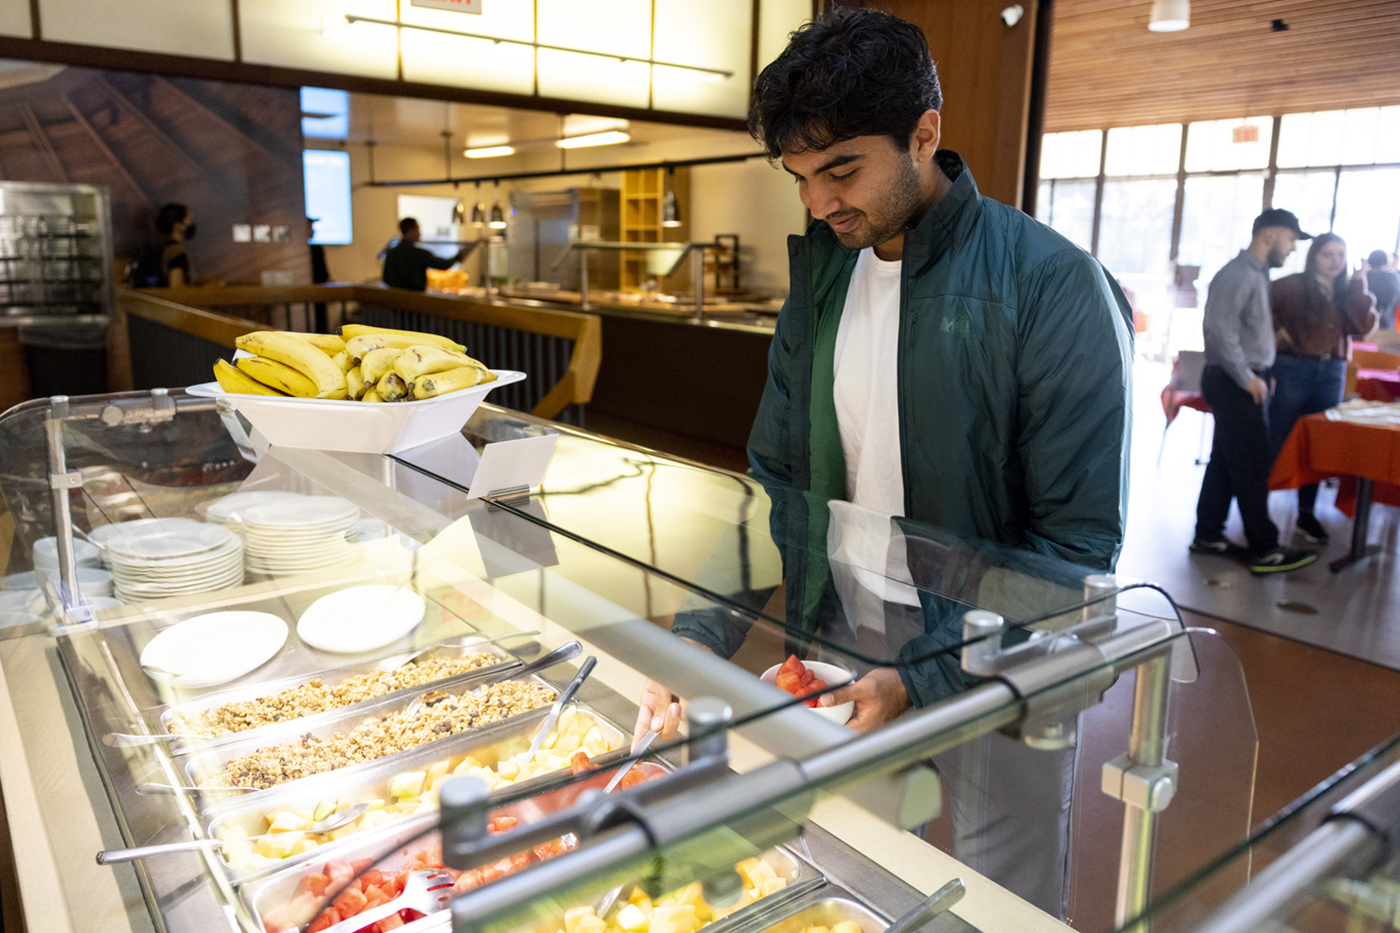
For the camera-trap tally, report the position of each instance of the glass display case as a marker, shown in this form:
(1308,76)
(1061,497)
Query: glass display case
(305,672)
(55,254)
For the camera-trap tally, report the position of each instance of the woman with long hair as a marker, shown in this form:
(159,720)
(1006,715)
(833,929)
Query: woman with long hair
(1316,313)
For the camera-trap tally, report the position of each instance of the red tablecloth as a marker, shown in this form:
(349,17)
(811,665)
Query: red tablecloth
(1378,385)
(1319,449)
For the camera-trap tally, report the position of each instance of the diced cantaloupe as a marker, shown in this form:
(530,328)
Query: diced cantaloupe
(408,784)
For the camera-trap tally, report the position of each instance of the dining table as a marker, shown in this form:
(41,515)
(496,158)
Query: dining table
(1359,445)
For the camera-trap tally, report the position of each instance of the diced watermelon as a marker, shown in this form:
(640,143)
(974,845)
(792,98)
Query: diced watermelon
(633,778)
(350,901)
(792,664)
(338,872)
(789,681)
(503,824)
(360,864)
(374,878)
(392,922)
(324,920)
(579,763)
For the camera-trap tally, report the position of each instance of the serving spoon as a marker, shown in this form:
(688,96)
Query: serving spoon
(112,856)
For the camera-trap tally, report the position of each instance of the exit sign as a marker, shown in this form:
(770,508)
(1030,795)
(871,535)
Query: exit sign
(1243,134)
(460,6)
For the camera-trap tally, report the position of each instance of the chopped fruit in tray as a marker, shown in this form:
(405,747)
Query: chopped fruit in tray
(845,926)
(683,911)
(797,679)
(411,791)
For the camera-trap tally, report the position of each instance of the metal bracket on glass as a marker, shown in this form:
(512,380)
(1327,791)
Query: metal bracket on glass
(508,493)
(161,408)
(69,480)
(1143,787)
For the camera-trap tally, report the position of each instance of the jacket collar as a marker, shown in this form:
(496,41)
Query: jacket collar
(951,220)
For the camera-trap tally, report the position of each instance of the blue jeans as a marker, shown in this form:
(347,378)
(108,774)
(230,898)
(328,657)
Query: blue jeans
(1305,385)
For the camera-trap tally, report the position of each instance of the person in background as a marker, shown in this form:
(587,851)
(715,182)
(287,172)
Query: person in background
(1239,342)
(320,273)
(941,358)
(406,264)
(165,263)
(1384,283)
(1316,313)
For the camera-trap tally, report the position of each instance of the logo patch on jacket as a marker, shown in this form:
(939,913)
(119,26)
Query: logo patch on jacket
(960,323)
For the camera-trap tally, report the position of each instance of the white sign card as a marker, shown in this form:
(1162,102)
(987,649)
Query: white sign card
(460,6)
(512,464)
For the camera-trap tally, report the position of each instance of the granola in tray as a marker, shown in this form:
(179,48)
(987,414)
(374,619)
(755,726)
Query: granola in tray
(315,697)
(382,736)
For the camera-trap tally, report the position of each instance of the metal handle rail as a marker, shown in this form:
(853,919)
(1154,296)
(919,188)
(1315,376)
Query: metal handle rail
(623,828)
(1356,836)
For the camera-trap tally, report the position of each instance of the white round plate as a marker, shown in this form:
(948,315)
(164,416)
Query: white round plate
(46,554)
(231,507)
(360,618)
(170,539)
(214,648)
(311,511)
(20,581)
(225,553)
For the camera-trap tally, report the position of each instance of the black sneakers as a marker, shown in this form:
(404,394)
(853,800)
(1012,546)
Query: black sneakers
(1219,548)
(1311,529)
(1280,560)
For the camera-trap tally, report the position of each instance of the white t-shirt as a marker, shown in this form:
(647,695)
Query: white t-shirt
(866,392)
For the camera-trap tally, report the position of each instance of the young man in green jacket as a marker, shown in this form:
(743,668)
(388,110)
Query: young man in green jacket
(941,358)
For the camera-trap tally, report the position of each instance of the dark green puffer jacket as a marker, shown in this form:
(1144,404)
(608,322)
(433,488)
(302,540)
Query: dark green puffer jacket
(1015,357)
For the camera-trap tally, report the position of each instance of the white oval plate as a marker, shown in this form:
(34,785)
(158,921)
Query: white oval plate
(231,507)
(214,648)
(360,618)
(310,512)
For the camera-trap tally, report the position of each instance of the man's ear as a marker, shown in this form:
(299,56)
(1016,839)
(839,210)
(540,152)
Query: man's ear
(927,133)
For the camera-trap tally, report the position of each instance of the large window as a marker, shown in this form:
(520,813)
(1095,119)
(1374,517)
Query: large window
(1173,197)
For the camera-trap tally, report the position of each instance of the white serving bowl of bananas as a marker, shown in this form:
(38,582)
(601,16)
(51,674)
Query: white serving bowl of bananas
(370,390)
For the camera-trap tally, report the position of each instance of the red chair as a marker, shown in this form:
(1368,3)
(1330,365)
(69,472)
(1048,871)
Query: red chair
(1183,390)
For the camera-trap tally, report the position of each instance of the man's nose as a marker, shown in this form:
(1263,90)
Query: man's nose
(821,201)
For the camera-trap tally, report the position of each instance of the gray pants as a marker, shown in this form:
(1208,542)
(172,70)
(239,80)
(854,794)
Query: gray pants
(1010,806)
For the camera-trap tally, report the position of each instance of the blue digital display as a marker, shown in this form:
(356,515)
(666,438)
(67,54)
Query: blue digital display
(325,113)
(327,174)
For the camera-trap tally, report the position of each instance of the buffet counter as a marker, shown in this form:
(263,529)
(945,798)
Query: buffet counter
(109,700)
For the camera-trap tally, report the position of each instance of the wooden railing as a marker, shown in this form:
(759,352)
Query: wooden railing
(160,324)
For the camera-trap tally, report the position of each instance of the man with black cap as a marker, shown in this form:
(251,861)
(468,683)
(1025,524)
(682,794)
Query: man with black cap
(1239,342)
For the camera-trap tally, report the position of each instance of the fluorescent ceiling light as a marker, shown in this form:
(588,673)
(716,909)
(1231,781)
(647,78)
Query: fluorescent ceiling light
(1170,15)
(611,137)
(488,152)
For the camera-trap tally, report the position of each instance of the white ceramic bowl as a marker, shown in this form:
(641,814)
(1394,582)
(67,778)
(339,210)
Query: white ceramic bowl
(46,554)
(91,580)
(834,676)
(339,424)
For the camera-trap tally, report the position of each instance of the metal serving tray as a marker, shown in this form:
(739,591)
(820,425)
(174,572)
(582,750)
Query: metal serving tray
(371,782)
(821,909)
(204,765)
(330,678)
(391,847)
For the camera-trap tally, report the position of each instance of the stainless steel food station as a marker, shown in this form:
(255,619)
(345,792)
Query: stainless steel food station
(280,690)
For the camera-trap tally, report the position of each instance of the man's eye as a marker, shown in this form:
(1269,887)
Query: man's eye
(835,177)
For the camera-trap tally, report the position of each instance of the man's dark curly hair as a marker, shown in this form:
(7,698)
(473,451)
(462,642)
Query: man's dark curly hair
(856,72)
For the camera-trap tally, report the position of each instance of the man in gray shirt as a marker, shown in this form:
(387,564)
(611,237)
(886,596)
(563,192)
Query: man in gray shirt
(1239,342)
(1385,285)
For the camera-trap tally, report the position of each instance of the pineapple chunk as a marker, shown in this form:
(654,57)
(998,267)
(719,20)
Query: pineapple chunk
(566,720)
(771,885)
(676,919)
(632,918)
(846,926)
(594,743)
(288,821)
(591,924)
(758,873)
(436,772)
(573,915)
(408,784)
(567,745)
(639,897)
(233,833)
(373,818)
(555,763)
(817,929)
(550,739)
(509,769)
(282,843)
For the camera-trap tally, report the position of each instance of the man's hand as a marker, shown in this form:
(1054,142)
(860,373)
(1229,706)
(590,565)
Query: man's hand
(879,697)
(1258,390)
(660,710)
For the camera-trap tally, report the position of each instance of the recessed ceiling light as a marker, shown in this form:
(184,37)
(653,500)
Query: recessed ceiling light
(611,137)
(1170,15)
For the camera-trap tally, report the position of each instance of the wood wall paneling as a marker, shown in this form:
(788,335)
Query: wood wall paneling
(985,70)
(1107,69)
(230,151)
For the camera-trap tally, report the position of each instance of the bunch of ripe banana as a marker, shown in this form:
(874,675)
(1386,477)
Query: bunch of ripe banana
(369,364)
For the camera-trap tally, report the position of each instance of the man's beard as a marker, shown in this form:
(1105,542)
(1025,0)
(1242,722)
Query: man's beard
(1276,258)
(892,215)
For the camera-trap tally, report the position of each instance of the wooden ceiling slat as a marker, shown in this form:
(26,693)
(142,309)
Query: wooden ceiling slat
(1107,69)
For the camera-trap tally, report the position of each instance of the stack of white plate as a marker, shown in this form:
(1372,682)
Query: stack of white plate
(298,536)
(229,510)
(158,557)
(46,554)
